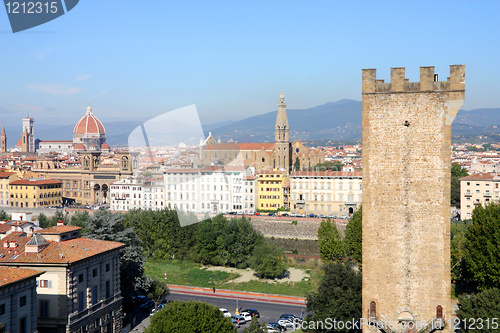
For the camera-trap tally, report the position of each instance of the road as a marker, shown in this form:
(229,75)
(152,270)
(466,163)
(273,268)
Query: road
(268,311)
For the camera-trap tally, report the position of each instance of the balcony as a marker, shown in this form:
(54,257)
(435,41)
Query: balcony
(468,195)
(75,316)
(487,195)
(301,202)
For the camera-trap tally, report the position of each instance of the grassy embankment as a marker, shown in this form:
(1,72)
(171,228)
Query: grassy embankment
(185,272)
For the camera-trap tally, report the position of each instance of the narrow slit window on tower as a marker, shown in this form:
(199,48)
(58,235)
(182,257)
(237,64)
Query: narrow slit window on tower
(407,123)
(373,309)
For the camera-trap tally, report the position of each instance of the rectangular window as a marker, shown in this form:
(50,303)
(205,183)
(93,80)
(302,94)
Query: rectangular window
(44,308)
(23,327)
(107,267)
(2,309)
(108,289)
(81,301)
(80,278)
(22,301)
(94,294)
(44,284)
(94,272)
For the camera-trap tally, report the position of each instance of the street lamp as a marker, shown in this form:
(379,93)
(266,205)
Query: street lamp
(266,288)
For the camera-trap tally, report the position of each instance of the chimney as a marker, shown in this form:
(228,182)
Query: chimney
(12,244)
(60,223)
(5,244)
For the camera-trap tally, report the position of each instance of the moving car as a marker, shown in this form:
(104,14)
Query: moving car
(286,322)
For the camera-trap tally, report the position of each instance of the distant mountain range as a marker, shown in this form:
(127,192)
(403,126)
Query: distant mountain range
(339,121)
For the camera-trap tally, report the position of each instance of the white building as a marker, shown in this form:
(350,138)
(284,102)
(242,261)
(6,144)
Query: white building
(325,192)
(250,190)
(126,194)
(153,191)
(208,190)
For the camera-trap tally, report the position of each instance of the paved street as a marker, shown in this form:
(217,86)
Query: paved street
(269,310)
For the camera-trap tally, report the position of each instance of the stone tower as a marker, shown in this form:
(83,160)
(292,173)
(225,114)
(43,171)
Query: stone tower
(406,198)
(28,135)
(282,136)
(3,141)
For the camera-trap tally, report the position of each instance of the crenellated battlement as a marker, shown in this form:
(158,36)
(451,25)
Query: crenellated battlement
(428,81)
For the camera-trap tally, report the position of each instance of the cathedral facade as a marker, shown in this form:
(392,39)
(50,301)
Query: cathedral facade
(278,155)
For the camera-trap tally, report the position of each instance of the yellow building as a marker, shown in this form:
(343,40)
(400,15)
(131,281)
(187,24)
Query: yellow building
(270,195)
(33,193)
(5,179)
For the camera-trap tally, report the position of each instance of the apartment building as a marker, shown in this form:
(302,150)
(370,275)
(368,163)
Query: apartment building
(35,193)
(79,285)
(5,179)
(250,189)
(271,190)
(325,192)
(153,193)
(478,189)
(18,299)
(126,194)
(207,190)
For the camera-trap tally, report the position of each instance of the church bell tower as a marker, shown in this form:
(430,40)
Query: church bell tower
(282,136)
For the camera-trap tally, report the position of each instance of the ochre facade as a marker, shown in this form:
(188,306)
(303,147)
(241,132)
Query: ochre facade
(406,198)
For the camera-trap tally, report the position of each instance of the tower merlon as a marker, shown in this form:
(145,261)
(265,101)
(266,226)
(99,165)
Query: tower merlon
(428,81)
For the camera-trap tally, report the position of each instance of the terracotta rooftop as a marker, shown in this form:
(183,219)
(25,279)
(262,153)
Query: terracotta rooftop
(6,174)
(58,229)
(479,176)
(63,252)
(10,275)
(35,182)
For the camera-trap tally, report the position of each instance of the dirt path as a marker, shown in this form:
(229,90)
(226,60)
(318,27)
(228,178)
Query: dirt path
(246,275)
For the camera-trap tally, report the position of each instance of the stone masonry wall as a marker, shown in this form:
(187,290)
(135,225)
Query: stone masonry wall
(406,194)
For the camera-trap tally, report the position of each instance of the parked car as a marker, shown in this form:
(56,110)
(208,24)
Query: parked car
(273,329)
(293,214)
(257,213)
(291,317)
(147,306)
(235,323)
(246,315)
(276,326)
(284,214)
(253,312)
(301,215)
(240,319)
(286,322)
(312,215)
(225,312)
(270,214)
(322,216)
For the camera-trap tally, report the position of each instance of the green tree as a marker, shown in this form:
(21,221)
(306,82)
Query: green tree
(457,246)
(354,236)
(296,164)
(109,226)
(457,172)
(156,289)
(43,221)
(338,296)
(328,165)
(190,316)
(480,309)
(269,261)
(331,244)
(58,216)
(255,327)
(4,216)
(482,246)
(79,219)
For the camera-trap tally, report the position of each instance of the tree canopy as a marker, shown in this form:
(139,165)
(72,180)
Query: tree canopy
(354,236)
(328,165)
(482,246)
(480,312)
(457,172)
(190,316)
(331,244)
(269,261)
(338,296)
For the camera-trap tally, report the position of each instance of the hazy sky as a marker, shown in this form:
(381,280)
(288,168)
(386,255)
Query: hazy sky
(137,59)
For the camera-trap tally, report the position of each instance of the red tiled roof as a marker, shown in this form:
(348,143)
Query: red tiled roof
(479,176)
(58,229)
(256,146)
(35,182)
(6,174)
(68,251)
(10,275)
(89,124)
